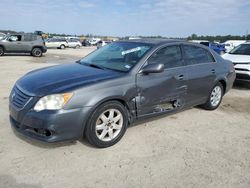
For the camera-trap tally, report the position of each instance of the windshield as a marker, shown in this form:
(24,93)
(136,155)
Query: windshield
(118,56)
(243,49)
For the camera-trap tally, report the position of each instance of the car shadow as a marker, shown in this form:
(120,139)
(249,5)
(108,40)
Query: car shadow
(17,54)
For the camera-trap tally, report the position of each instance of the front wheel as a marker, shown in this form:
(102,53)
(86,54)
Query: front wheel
(215,97)
(107,124)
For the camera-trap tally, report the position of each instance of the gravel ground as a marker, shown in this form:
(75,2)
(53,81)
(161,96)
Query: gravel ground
(194,148)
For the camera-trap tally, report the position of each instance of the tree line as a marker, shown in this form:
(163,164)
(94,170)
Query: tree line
(219,38)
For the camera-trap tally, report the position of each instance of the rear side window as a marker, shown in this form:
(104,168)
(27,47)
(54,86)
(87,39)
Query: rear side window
(196,55)
(29,37)
(170,56)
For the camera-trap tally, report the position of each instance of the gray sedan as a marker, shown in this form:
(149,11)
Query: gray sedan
(99,96)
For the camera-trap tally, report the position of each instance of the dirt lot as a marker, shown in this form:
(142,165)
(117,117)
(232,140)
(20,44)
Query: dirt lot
(194,148)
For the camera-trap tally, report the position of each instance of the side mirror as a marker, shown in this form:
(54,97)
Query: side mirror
(10,39)
(152,68)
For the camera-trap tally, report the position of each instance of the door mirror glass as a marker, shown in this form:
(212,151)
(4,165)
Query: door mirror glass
(152,68)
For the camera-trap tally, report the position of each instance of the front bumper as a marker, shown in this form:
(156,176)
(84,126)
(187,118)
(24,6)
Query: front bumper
(243,76)
(242,72)
(49,126)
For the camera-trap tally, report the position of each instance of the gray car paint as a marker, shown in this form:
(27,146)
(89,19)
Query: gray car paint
(143,95)
(21,46)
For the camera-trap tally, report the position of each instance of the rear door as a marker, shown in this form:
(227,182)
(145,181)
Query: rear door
(201,73)
(160,92)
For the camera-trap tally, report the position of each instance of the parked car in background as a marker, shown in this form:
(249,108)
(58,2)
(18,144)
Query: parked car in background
(74,43)
(231,44)
(85,42)
(219,48)
(94,41)
(125,81)
(23,43)
(102,43)
(59,43)
(240,56)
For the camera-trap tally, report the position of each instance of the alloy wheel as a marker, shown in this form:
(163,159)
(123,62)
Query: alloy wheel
(109,125)
(216,96)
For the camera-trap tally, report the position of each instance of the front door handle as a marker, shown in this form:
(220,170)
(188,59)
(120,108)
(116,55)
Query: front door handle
(180,77)
(213,71)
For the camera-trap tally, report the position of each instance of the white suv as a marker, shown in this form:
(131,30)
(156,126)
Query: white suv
(240,56)
(74,43)
(57,43)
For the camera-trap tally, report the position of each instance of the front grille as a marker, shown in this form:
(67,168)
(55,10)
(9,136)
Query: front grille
(18,98)
(242,77)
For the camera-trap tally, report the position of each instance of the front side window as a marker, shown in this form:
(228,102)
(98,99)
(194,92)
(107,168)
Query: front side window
(15,38)
(170,56)
(196,55)
(243,49)
(118,56)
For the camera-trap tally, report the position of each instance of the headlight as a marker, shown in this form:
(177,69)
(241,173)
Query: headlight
(53,102)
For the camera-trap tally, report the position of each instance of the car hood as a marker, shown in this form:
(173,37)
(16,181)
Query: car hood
(237,58)
(62,78)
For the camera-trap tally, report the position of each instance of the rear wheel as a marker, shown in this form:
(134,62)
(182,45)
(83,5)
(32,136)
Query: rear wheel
(37,52)
(1,51)
(215,97)
(77,46)
(107,124)
(62,47)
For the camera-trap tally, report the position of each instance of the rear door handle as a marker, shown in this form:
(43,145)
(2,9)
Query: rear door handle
(213,71)
(180,77)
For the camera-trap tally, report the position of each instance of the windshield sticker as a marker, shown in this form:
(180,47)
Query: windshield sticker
(127,66)
(131,50)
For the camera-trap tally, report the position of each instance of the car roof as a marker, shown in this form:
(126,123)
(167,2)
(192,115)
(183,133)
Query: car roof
(153,41)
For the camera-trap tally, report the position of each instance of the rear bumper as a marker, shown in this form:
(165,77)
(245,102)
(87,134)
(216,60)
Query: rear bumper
(50,126)
(44,49)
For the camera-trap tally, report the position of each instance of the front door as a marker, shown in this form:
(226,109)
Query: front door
(165,91)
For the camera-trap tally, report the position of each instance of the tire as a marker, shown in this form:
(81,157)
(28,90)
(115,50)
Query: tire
(36,52)
(77,46)
(215,97)
(105,128)
(1,51)
(62,46)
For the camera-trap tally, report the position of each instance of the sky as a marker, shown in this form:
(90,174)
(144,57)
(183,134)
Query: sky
(169,18)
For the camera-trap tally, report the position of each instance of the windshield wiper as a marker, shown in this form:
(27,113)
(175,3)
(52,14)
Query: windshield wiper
(94,65)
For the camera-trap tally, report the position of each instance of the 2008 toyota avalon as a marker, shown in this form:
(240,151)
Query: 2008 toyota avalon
(99,96)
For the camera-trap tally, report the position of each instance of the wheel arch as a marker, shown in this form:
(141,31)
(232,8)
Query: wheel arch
(2,47)
(37,46)
(110,99)
(224,84)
